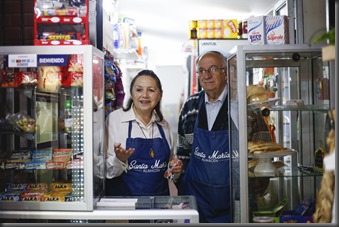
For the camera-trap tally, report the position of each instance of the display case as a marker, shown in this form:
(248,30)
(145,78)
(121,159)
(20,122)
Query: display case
(62,22)
(51,120)
(287,123)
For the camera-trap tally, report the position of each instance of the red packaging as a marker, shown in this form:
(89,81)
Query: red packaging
(31,196)
(26,79)
(61,154)
(55,165)
(7,78)
(75,71)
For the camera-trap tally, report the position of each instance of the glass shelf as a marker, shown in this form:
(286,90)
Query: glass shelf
(286,172)
(324,108)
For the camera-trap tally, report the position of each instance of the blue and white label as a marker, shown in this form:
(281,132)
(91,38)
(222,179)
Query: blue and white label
(52,60)
(22,60)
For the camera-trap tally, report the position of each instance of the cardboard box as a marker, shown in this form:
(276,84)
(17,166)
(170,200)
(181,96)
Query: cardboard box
(230,29)
(276,30)
(256,30)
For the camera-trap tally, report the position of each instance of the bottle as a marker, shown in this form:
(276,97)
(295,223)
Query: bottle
(244,29)
(68,116)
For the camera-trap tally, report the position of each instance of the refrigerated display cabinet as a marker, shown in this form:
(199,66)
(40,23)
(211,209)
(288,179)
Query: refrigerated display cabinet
(293,114)
(46,166)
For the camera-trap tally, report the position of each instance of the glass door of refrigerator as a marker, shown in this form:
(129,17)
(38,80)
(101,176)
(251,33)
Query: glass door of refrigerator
(294,115)
(48,156)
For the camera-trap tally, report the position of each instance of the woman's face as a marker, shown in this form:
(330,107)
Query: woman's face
(145,94)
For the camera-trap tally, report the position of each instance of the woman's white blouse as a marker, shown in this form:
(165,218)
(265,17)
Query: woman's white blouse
(116,131)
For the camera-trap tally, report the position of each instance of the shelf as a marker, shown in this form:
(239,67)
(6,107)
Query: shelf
(63,20)
(285,172)
(324,108)
(61,42)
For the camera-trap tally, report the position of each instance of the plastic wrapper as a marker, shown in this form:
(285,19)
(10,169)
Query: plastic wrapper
(50,78)
(18,122)
(25,122)
(26,79)
(7,78)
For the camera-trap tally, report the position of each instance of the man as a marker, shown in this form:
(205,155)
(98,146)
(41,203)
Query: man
(203,143)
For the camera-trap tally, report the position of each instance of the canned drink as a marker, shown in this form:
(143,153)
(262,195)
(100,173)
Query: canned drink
(244,29)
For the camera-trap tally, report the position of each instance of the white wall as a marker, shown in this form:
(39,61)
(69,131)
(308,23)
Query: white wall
(173,78)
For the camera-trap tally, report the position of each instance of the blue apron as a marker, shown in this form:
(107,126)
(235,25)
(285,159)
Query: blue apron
(208,176)
(147,167)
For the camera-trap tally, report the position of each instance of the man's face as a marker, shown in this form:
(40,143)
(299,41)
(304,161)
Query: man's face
(212,73)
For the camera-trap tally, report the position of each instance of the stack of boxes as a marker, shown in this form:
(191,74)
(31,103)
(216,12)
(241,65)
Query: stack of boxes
(214,29)
(268,30)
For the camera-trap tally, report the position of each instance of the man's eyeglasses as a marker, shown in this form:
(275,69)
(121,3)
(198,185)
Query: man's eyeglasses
(212,70)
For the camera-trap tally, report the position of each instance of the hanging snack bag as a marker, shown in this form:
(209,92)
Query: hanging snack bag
(49,79)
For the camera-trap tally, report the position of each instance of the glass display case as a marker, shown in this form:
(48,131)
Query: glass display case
(51,120)
(279,101)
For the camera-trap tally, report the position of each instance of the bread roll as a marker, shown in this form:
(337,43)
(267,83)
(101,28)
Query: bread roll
(256,93)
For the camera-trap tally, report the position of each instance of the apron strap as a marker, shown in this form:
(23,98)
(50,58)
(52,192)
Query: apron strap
(129,129)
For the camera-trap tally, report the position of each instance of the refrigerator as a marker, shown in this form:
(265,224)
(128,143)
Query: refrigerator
(45,165)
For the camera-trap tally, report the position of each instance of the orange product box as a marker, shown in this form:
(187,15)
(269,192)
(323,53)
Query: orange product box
(61,154)
(61,187)
(230,28)
(54,197)
(55,165)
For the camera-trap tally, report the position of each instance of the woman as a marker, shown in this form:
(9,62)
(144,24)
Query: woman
(139,143)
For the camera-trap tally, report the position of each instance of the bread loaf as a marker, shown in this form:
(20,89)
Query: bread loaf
(262,147)
(256,93)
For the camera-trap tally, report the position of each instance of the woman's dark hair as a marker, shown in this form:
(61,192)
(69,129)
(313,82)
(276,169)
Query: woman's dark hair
(149,73)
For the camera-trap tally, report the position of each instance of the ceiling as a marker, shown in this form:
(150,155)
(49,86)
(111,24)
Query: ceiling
(165,23)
